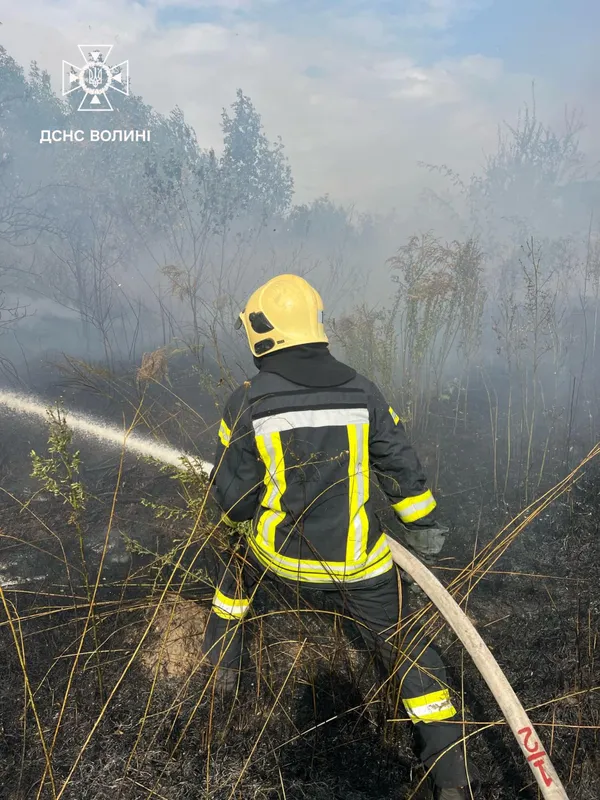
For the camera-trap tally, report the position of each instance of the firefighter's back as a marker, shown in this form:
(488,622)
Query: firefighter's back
(315,515)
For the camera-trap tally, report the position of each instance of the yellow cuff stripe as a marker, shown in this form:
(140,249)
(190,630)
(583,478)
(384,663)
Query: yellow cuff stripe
(430,707)
(414,508)
(229,522)
(224,434)
(395,416)
(229,607)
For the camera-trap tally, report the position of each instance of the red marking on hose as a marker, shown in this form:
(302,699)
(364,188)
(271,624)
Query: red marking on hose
(537,752)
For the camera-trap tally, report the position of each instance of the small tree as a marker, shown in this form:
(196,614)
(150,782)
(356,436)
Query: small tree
(256,172)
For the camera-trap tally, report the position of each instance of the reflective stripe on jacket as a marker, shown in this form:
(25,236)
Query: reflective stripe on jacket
(300,463)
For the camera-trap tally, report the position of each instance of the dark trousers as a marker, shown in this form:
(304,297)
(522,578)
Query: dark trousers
(375,605)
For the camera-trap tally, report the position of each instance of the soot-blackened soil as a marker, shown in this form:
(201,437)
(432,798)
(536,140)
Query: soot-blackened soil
(140,719)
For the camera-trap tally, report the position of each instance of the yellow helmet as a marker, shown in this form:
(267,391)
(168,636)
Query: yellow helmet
(284,312)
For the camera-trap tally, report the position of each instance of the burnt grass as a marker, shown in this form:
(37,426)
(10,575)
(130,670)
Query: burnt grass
(301,724)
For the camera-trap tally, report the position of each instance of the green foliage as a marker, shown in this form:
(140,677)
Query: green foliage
(192,486)
(437,309)
(369,342)
(27,104)
(99,210)
(521,189)
(163,563)
(251,178)
(58,472)
(441,300)
(256,173)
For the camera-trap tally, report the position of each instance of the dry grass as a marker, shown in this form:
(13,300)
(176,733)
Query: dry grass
(175,647)
(154,367)
(309,719)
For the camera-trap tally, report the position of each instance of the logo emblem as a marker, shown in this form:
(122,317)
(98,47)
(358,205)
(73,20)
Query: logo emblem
(95,78)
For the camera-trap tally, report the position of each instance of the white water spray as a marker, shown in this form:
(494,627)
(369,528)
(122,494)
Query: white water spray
(102,431)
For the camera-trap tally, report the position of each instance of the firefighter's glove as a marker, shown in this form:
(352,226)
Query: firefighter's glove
(226,531)
(426,543)
(229,523)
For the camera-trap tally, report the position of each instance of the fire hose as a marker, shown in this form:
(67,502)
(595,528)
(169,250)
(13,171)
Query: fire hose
(538,759)
(510,705)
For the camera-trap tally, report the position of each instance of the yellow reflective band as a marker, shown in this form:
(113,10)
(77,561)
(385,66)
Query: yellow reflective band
(224,434)
(229,607)
(378,562)
(395,416)
(414,508)
(358,494)
(430,707)
(229,522)
(358,564)
(271,452)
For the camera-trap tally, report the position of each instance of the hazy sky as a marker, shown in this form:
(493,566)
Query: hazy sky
(360,91)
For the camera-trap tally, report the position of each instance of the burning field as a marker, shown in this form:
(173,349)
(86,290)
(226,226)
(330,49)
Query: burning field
(471,300)
(106,590)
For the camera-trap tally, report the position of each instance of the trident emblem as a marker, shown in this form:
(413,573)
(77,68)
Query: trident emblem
(95,77)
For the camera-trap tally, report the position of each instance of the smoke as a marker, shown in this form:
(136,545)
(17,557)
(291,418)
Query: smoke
(159,243)
(482,292)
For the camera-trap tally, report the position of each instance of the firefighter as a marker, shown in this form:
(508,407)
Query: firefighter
(301,447)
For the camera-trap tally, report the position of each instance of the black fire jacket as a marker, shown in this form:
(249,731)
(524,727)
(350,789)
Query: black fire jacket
(301,463)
